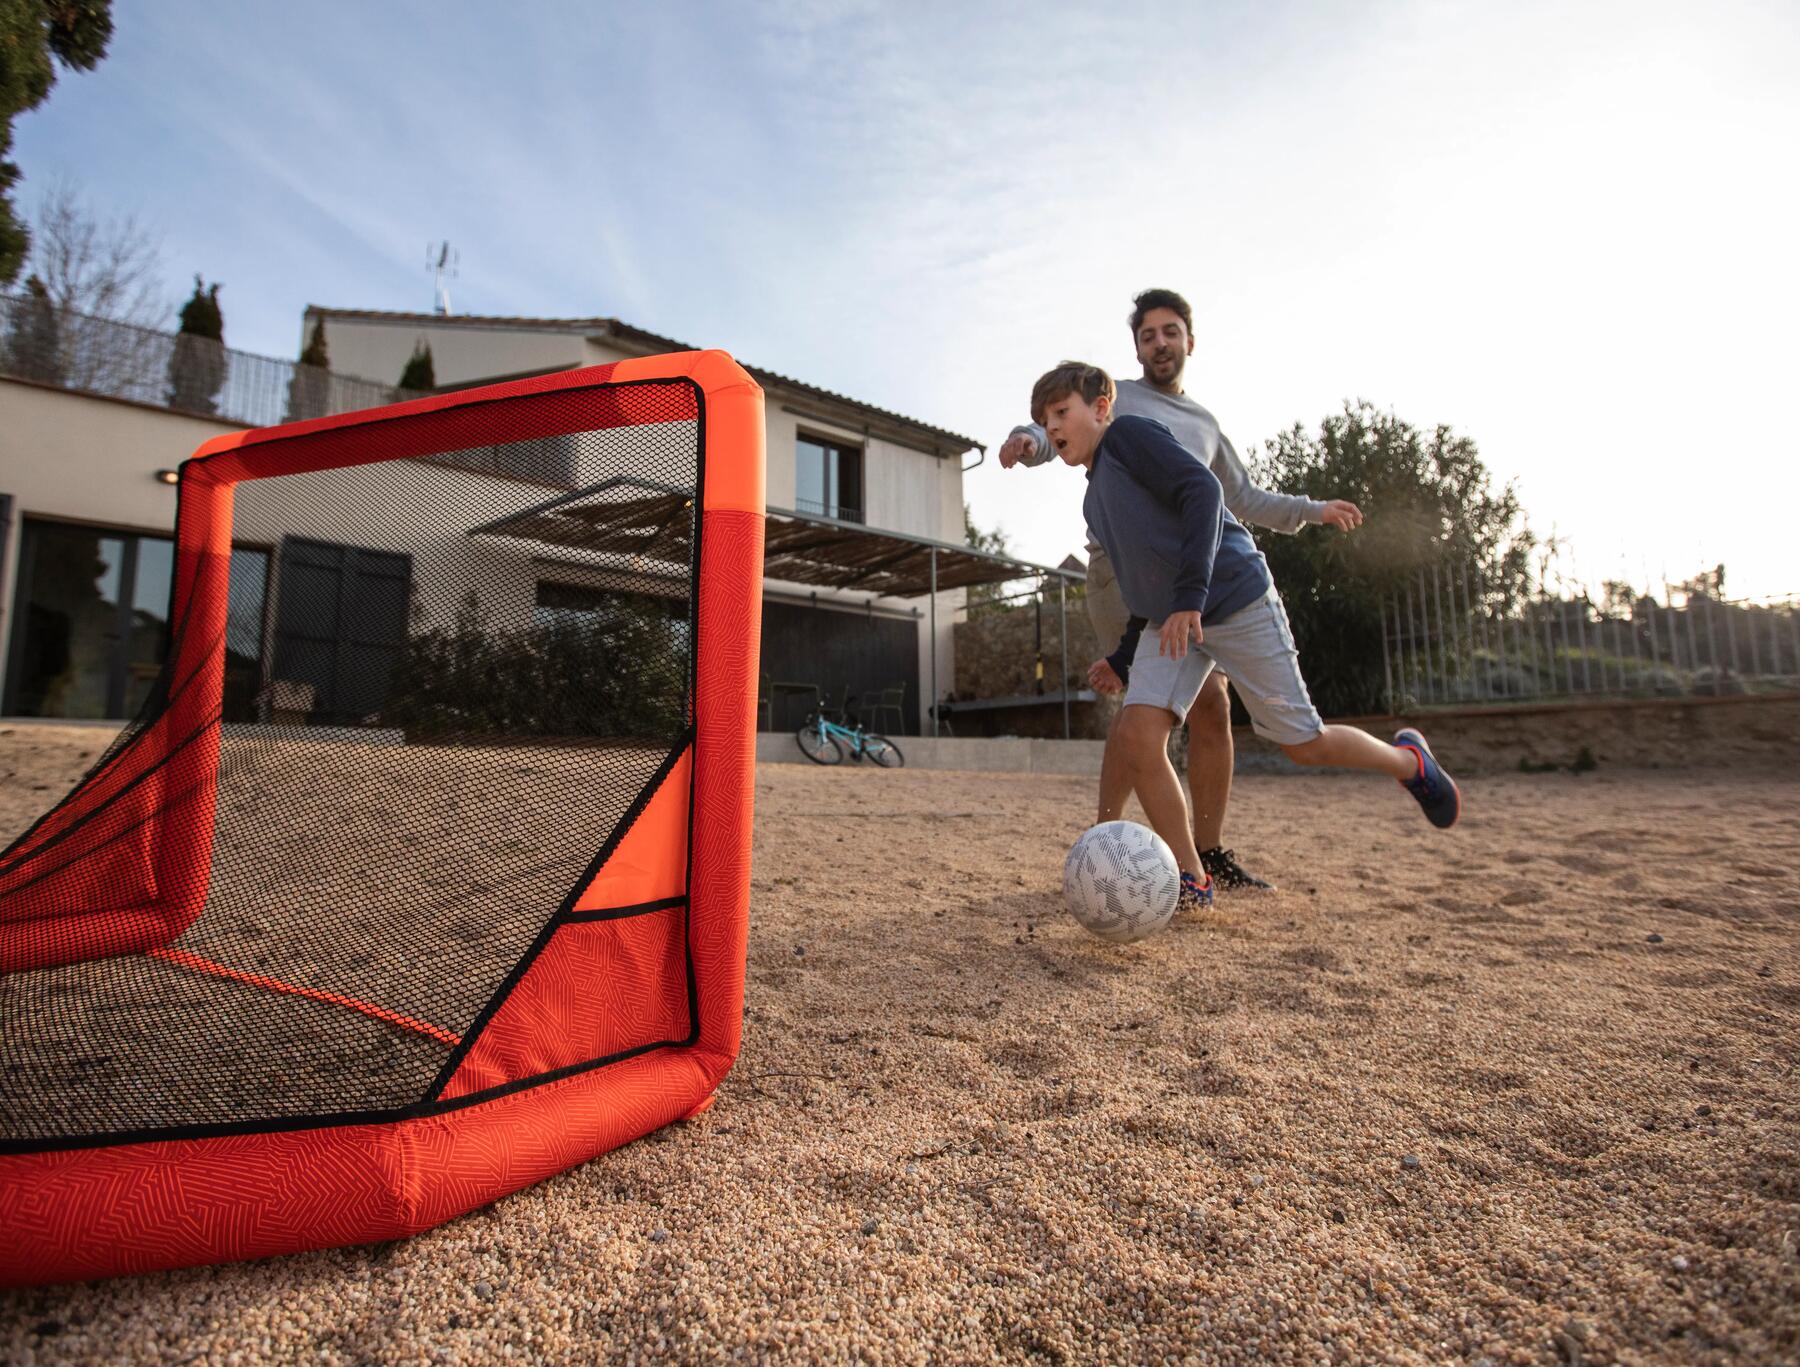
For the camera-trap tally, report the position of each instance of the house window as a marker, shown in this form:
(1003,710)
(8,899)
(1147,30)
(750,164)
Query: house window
(828,479)
(90,627)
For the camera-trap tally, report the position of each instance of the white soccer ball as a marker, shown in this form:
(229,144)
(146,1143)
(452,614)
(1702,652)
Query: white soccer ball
(1121,881)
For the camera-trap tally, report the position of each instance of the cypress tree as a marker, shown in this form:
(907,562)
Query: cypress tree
(310,388)
(419,377)
(197,364)
(34,337)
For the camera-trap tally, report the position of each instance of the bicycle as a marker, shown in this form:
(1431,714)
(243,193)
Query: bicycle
(822,741)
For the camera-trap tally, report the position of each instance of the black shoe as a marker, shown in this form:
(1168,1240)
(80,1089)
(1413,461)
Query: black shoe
(1228,875)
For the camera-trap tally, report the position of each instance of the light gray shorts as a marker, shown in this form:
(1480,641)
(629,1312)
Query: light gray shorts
(1256,650)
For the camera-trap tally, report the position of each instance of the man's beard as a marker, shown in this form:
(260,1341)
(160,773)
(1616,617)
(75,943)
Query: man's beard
(1165,371)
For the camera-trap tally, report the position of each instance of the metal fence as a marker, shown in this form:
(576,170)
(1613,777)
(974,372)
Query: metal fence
(191,374)
(1447,641)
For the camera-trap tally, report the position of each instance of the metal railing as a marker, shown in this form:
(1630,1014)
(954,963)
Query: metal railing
(1446,641)
(838,511)
(169,370)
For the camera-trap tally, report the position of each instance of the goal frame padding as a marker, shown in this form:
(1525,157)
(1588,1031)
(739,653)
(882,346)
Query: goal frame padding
(78,1213)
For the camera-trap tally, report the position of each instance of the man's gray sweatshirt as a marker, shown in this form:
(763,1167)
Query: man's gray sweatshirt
(1198,431)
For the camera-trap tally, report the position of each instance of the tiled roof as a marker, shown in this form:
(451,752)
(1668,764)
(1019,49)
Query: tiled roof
(769,379)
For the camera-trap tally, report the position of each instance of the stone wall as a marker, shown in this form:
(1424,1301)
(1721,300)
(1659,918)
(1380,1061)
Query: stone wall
(1686,733)
(1668,733)
(996,657)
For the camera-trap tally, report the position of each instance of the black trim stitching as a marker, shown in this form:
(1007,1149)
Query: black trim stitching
(293,1124)
(105,807)
(581,918)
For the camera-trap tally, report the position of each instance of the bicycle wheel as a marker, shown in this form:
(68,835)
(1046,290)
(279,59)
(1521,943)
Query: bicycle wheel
(884,752)
(816,745)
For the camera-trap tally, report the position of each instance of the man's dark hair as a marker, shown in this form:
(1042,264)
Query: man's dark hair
(1160,299)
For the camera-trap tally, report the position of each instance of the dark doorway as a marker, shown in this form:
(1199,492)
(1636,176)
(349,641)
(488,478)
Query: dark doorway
(340,624)
(830,648)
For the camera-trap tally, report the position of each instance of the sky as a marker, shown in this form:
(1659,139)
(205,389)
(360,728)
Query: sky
(1566,230)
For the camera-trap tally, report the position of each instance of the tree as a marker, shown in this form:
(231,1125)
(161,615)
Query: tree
(197,364)
(110,271)
(983,598)
(36,35)
(1708,584)
(1430,505)
(33,338)
(309,390)
(420,376)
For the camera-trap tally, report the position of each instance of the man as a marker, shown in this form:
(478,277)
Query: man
(1194,578)
(1162,331)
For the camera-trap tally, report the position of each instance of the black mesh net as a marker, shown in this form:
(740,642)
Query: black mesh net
(455,703)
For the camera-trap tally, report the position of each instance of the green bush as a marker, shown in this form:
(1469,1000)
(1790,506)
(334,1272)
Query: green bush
(619,674)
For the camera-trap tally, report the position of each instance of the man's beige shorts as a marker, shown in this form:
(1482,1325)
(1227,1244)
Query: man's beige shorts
(1105,606)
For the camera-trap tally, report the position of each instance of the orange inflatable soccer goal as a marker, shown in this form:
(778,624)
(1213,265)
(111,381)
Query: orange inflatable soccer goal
(423,873)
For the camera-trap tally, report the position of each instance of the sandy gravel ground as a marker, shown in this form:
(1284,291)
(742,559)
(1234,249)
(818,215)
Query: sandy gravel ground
(1525,1092)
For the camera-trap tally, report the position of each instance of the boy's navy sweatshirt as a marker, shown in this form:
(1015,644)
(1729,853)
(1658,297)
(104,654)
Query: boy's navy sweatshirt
(1160,514)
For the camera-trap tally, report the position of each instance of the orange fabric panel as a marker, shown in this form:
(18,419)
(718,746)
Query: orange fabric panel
(735,434)
(121,864)
(729,640)
(650,862)
(599,988)
(539,407)
(76,1214)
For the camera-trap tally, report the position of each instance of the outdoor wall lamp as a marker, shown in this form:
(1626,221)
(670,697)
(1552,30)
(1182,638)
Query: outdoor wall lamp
(168,477)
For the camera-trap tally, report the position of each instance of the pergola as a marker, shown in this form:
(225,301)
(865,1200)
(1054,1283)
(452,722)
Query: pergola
(641,522)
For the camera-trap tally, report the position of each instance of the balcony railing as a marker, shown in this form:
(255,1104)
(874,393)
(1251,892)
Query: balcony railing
(170,370)
(832,510)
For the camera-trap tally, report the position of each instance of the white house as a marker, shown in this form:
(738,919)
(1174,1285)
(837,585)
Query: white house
(85,554)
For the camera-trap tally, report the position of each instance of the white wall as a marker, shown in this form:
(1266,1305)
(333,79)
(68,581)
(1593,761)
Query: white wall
(92,460)
(460,352)
(82,459)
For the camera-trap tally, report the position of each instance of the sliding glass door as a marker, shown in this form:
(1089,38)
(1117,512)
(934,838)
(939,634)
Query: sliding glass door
(89,621)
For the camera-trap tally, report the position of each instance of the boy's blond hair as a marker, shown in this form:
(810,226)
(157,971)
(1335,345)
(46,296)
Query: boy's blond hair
(1071,377)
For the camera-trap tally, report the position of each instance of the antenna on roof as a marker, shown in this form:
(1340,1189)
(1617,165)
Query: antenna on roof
(441,259)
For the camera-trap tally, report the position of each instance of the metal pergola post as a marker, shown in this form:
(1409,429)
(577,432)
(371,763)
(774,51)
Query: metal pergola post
(934,689)
(1062,611)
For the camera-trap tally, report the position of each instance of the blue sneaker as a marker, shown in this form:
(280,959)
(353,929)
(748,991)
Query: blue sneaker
(1436,790)
(1195,895)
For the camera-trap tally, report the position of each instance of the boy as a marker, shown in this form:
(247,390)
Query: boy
(1162,332)
(1189,569)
